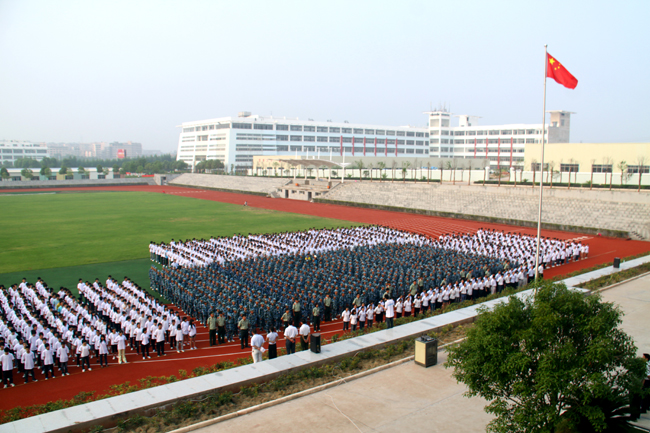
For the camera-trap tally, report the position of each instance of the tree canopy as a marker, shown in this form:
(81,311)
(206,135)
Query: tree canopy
(555,362)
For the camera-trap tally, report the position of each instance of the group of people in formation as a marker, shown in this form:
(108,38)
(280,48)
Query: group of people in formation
(47,332)
(273,280)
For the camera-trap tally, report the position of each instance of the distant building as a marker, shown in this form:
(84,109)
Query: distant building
(236,140)
(98,150)
(11,150)
(503,145)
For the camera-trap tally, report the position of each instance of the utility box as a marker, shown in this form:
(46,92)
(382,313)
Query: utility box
(617,262)
(314,340)
(426,351)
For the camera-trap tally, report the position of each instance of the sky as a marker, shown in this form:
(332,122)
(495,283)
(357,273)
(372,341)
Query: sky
(87,71)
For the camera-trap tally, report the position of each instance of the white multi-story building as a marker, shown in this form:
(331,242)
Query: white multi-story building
(503,145)
(11,150)
(236,140)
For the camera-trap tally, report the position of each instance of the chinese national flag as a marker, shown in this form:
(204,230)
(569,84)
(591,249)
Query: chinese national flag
(558,72)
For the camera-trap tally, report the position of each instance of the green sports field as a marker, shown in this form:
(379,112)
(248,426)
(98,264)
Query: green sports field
(66,236)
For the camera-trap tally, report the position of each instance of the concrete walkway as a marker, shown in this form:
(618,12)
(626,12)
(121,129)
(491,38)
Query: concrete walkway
(413,398)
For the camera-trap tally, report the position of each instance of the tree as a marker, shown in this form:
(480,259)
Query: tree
(81,170)
(623,167)
(533,167)
(276,164)
(4,173)
(63,170)
(554,360)
(27,172)
(46,171)
(640,160)
(405,167)
(382,167)
(100,169)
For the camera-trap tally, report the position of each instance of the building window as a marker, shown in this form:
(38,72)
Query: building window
(434,140)
(380,132)
(506,132)
(262,126)
(322,139)
(390,132)
(459,132)
(242,126)
(530,140)
(282,137)
(436,132)
(569,168)
(419,143)
(201,138)
(410,150)
(188,129)
(282,127)
(601,168)
(323,149)
(308,128)
(493,132)
(321,129)
(282,148)
(334,139)
(535,166)
(310,148)
(369,131)
(634,169)
(411,142)
(444,132)
(459,141)
(295,148)
(530,132)
(401,133)
(400,141)
(296,127)
(296,138)
(358,131)
(346,130)
(334,130)
(347,139)
(309,138)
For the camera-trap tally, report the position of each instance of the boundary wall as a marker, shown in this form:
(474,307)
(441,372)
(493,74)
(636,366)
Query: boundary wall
(108,411)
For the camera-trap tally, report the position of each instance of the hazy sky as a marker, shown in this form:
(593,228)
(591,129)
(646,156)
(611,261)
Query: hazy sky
(134,70)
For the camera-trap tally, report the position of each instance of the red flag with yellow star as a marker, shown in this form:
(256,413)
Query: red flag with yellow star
(556,71)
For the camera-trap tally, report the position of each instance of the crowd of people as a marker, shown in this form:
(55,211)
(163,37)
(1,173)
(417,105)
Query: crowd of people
(41,329)
(274,280)
(286,282)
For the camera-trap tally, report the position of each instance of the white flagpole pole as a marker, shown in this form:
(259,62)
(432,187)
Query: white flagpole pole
(541,168)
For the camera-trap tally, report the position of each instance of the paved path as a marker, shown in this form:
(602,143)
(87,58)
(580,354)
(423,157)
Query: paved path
(409,397)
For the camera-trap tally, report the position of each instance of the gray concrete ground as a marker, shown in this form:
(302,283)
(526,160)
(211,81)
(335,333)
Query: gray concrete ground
(413,398)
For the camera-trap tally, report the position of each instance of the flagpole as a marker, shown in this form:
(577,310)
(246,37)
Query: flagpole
(541,168)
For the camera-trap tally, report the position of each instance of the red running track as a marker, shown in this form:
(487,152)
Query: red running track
(602,250)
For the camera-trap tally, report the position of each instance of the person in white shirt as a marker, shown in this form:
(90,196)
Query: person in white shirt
(103,352)
(290,334)
(28,364)
(159,336)
(272,338)
(354,318)
(179,339)
(84,352)
(257,347)
(62,355)
(389,306)
(304,335)
(192,334)
(346,319)
(7,361)
(145,345)
(48,362)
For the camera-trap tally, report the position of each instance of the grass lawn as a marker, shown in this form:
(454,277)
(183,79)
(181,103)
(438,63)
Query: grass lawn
(45,231)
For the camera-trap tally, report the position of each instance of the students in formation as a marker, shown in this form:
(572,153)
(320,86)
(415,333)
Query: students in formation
(364,275)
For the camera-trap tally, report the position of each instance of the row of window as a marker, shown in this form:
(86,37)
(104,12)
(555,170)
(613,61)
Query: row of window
(306,128)
(479,150)
(32,151)
(596,168)
(508,132)
(504,143)
(482,141)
